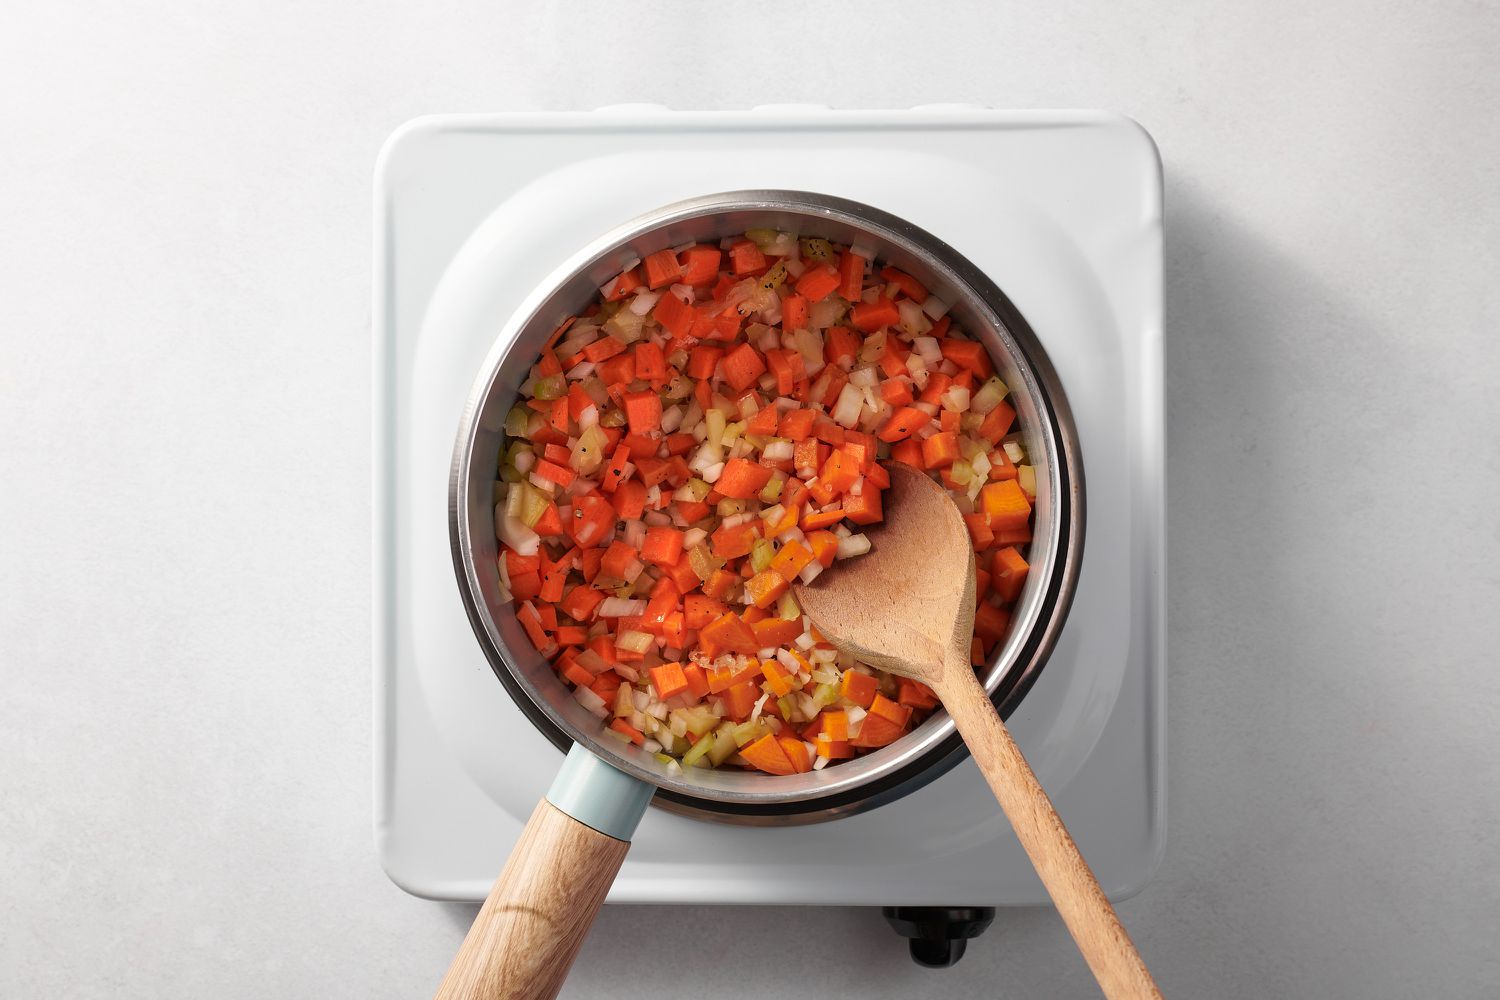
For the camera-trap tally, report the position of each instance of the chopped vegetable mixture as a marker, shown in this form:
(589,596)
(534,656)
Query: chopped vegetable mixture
(713,429)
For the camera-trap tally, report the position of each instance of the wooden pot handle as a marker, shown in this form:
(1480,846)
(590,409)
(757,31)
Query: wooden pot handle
(1096,928)
(527,933)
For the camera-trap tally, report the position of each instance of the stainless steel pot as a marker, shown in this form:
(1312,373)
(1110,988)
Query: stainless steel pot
(530,927)
(978,306)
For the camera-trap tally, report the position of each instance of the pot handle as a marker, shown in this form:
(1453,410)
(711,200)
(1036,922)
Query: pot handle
(531,926)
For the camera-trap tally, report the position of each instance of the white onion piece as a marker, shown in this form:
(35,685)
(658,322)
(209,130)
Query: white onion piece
(513,532)
(644,302)
(935,308)
(693,537)
(846,409)
(620,607)
(590,701)
(778,451)
(854,545)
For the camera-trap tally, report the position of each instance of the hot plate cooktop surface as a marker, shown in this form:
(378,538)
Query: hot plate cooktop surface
(1061,209)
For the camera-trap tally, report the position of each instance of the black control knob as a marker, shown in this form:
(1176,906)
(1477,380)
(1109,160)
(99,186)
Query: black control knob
(939,934)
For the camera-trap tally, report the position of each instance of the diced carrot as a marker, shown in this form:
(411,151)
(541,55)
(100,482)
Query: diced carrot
(825,545)
(622,285)
(697,681)
(778,680)
(851,275)
(910,287)
(835,725)
(1005,504)
(627,730)
(630,500)
(552,472)
(580,602)
(908,452)
(840,344)
(876,731)
(739,700)
(702,360)
(734,542)
(614,472)
(865,507)
(730,634)
(643,411)
(745,258)
(768,754)
(789,369)
(662,269)
(675,316)
(669,680)
(833,749)
(818,282)
(763,423)
(858,688)
(792,559)
(700,264)
(603,349)
(979,531)
(721,584)
(765,588)
(872,316)
(794,312)
(969,355)
(742,366)
(742,479)
(997,423)
(776,631)
(887,709)
(576,675)
(903,424)
(896,392)
(815,519)
(796,753)
(550,523)
(940,450)
(990,622)
(797,425)
(663,545)
(1009,569)
(839,472)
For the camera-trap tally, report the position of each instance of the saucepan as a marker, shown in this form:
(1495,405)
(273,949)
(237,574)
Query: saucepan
(535,918)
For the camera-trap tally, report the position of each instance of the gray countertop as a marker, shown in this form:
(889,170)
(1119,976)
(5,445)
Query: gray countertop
(185,702)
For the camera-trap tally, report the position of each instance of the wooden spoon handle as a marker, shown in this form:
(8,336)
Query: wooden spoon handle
(530,928)
(1096,928)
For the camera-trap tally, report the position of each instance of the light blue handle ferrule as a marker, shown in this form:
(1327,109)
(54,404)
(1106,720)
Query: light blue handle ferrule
(598,795)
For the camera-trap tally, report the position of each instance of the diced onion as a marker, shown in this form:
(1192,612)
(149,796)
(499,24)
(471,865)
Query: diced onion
(854,545)
(935,308)
(644,302)
(621,607)
(778,451)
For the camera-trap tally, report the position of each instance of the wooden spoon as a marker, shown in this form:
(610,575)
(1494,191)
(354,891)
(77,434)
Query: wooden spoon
(907,607)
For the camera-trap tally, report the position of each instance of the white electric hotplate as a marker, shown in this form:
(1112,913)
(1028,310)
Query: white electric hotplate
(1061,209)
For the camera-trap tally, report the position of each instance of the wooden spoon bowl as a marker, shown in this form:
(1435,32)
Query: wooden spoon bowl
(907,607)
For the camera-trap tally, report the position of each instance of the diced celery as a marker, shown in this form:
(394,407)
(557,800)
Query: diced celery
(1026,479)
(961,472)
(703,561)
(819,250)
(698,489)
(517,420)
(774,278)
(762,238)
(533,504)
(988,396)
(826,694)
(724,744)
(612,417)
(698,751)
(550,387)
(787,608)
(788,706)
(772,490)
(749,732)
(624,326)
(714,419)
(728,507)
(732,433)
(761,554)
(588,453)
